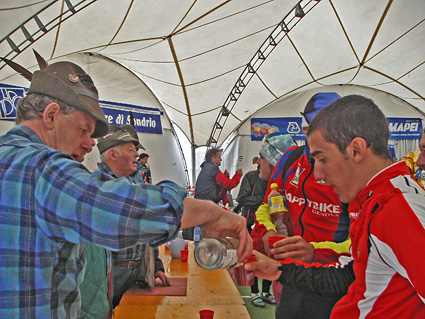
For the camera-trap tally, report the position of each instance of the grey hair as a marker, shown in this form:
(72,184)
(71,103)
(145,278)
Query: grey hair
(33,105)
(104,157)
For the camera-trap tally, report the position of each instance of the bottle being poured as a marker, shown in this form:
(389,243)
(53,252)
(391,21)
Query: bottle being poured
(217,253)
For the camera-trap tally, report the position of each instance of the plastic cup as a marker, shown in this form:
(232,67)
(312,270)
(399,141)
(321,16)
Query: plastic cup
(245,277)
(206,314)
(273,239)
(175,246)
(184,254)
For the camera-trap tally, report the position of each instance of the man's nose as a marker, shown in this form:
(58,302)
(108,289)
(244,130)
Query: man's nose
(318,174)
(421,160)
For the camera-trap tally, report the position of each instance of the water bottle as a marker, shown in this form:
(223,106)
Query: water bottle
(217,253)
(197,234)
(278,211)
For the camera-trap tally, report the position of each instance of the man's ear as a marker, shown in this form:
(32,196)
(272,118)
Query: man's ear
(49,114)
(358,149)
(113,154)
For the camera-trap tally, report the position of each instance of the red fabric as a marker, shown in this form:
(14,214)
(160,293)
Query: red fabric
(228,183)
(388,263)
(319,220)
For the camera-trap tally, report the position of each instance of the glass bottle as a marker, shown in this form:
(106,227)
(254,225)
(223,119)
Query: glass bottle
(217,253)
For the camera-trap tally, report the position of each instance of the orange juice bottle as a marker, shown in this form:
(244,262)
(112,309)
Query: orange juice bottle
(278,211)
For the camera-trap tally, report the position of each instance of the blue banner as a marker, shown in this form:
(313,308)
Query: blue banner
(146,119)
(400,128)
(405,128)
(10,95)
(269,125)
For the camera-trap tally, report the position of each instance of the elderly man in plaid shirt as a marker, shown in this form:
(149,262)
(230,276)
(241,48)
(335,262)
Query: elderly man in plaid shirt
(50,204)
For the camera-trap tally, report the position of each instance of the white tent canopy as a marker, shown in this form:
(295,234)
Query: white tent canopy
(210,65)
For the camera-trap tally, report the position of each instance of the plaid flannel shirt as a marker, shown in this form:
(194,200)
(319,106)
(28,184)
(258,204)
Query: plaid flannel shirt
(49,205)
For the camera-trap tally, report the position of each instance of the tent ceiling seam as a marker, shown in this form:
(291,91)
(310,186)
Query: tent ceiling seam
(22,7)
(186,98)
(396,81)
(122,23)
(55,43)
(397,39)
(184,17)
(375,34)
(264,84)
(344,31)
(202,16)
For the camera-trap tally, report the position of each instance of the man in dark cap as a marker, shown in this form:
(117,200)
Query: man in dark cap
(51,204)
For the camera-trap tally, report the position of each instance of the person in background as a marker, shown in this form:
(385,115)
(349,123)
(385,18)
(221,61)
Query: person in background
(251,194)
(211,181)
(118,152)
(348,140)
(315,214)
(52,205)
(145,169)
(255,164)
(416,161)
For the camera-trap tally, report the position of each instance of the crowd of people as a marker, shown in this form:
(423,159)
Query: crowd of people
(73,241)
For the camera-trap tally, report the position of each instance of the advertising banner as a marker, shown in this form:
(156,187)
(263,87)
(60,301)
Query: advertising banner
(146,119)
(400,128)
(405,128)
(269,125)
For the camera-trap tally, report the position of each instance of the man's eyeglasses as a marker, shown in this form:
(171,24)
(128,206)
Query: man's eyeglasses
(422,150)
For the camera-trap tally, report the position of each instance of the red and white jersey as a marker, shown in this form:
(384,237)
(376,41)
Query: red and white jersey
(388,247)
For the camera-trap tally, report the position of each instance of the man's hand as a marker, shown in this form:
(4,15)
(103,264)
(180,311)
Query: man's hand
(239,171)
(159,274)
(264,267)
(294,247)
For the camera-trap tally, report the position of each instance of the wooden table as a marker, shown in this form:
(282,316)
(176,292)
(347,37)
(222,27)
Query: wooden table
(214,290)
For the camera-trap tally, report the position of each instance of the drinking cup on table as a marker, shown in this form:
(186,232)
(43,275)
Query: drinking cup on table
(206,314)
(184,254)
(175,246)
(245,277)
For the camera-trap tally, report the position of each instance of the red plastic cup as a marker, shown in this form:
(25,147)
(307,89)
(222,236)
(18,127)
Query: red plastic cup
(183,255)
(245,277)
(273,239)
(206,314)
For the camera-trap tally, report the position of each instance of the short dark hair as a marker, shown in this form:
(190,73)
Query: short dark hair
(350,117)
(143,155)
(212,152)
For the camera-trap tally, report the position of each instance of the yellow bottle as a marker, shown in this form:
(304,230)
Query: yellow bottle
(278,211)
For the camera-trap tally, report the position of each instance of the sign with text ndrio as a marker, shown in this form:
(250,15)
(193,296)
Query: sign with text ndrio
(146,119)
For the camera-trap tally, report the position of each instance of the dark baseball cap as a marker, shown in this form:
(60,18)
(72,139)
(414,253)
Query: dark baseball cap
(70,84)
(318,102)
(113,139)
